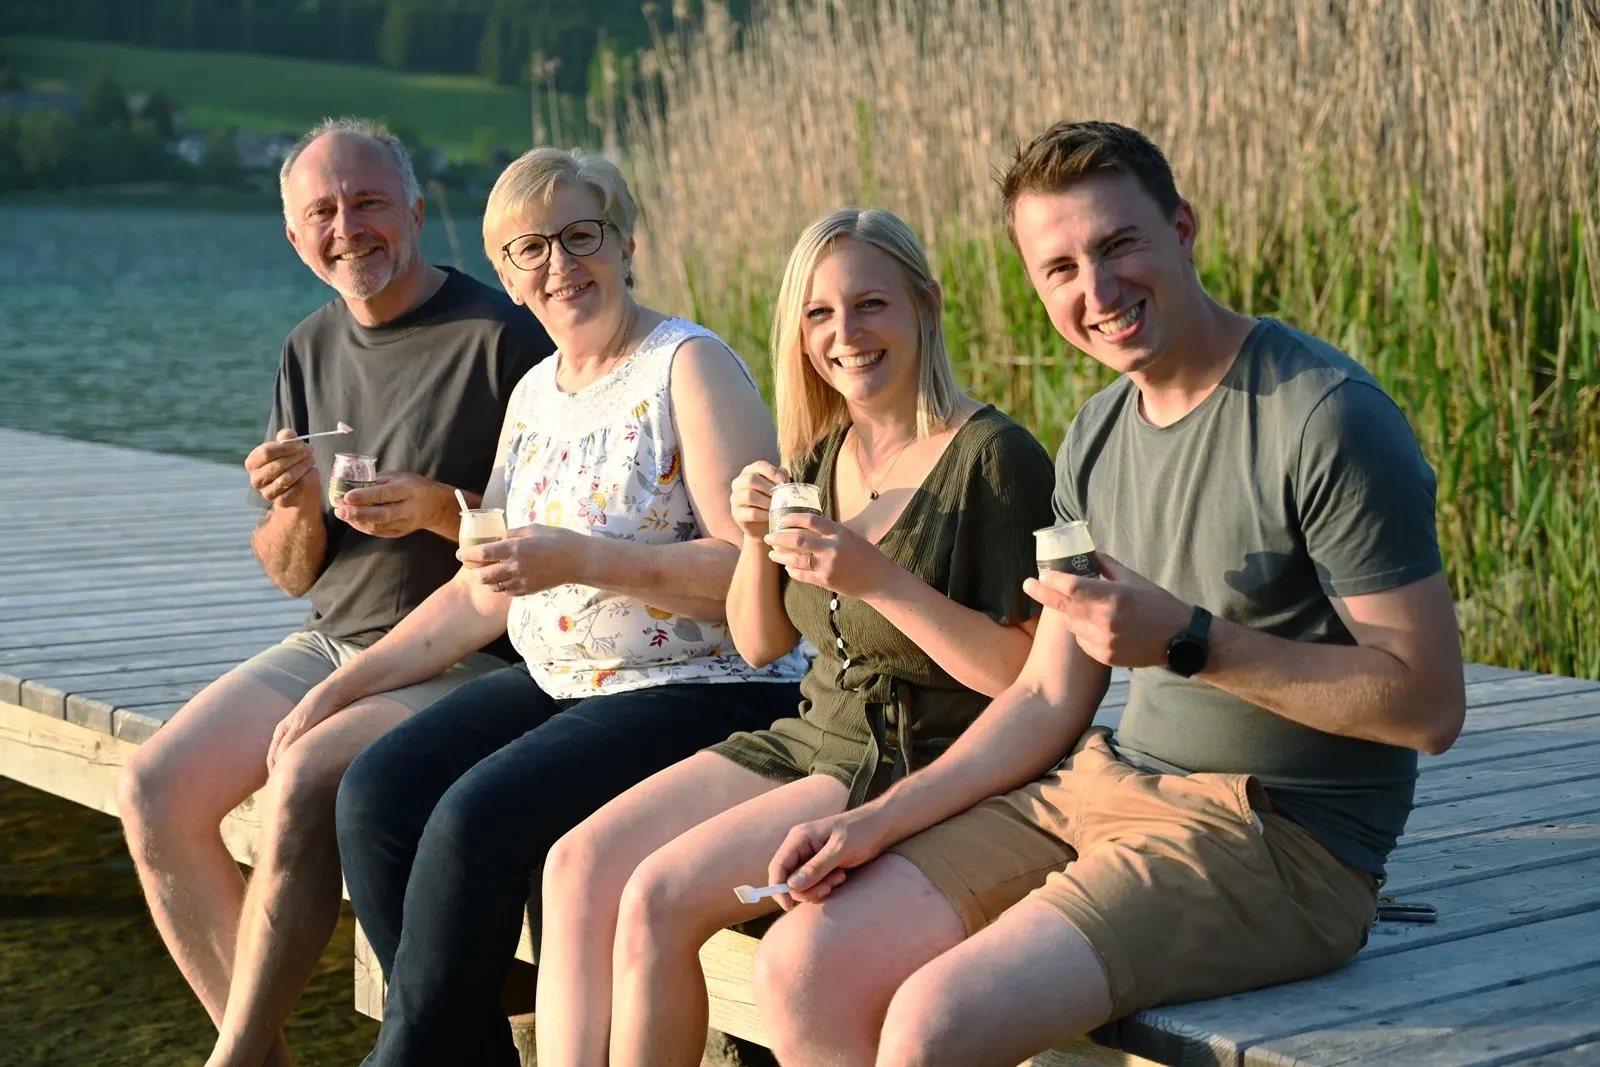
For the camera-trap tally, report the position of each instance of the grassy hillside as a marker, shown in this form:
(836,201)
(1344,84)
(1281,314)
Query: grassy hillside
(271,94)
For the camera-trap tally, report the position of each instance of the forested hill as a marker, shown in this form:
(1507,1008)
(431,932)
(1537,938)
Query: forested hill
(493,38)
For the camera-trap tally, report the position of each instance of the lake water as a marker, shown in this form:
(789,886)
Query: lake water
(156,328)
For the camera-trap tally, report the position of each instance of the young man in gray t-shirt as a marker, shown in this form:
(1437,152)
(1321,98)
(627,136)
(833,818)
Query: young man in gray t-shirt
(1269,571)
(421,361)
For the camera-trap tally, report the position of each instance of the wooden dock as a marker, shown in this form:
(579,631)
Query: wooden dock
(127,584)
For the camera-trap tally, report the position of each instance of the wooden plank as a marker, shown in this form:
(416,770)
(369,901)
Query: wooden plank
(1499,1026)
(1584,1055)
(166,641)
(1513,714)
(243,620)
(1531,805)
(113,660)
(1467,780)
(1368,988)
(137,575)
(1418,868)
(230,593)
(138,725)
(1486,695)
(144,621)
(50,605)
(114,557)
(97,710)
(1469,909)
(64,544)
(50,697)
(1522,741)
(82,765)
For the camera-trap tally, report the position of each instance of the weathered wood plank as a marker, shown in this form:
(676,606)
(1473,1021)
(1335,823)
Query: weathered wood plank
(1480,907)
(1370,987)
(138,725)
(1584,1055)
(1484,696)
(1459,817)
(276,610)
(1467,780)
(1495,1027)
(167,641)
(1420,867)
(214,625)
(106,562)
(1519,741)
(118,606)
(50,697)
(110,576)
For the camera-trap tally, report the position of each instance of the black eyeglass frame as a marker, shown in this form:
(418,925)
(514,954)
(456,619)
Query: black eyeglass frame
(550,240)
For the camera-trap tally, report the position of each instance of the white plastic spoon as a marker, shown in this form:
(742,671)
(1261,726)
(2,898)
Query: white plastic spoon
(462,501)
(749,894)
(344,427)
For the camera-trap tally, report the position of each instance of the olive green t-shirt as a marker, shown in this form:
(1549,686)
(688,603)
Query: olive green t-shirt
(1296,480)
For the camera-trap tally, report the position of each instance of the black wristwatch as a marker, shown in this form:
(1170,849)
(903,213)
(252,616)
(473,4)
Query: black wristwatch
(1186,653)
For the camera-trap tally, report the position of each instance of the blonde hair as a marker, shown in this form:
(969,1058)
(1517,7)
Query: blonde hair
(807,407)
(533,177)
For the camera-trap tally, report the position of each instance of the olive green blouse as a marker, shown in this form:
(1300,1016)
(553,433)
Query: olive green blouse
(876,706)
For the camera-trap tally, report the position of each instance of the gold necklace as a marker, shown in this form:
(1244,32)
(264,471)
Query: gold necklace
(872,489)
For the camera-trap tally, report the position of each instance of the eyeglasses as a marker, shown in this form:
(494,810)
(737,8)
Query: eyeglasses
(532,250)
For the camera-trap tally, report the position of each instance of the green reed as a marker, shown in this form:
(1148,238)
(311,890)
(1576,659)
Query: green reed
(1415,182)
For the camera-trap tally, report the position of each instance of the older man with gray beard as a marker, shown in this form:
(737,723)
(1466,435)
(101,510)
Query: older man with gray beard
(421,360)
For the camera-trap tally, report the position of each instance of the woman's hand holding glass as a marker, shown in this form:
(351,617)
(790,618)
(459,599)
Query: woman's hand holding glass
(531,559)
(819,551)
(751,497)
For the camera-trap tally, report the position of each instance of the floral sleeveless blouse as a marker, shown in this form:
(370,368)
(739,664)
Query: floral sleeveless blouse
(604,461)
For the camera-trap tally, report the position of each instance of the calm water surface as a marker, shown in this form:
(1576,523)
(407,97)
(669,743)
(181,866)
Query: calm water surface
(157,329)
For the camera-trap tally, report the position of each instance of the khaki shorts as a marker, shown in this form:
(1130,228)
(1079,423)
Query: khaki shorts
(301,660)
(1187,887)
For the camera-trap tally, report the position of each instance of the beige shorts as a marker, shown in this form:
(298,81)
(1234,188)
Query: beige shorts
(301,660)
(1187,887)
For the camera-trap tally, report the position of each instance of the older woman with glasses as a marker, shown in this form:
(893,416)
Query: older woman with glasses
(615,458)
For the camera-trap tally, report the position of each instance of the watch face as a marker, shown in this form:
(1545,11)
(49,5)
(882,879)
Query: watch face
(1186,656)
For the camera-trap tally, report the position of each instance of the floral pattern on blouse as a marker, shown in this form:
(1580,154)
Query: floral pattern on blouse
(604,461)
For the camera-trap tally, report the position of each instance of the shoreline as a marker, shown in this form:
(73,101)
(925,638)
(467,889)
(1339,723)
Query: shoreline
(167,195)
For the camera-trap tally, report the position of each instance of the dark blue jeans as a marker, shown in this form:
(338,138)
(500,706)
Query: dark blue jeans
(444,821)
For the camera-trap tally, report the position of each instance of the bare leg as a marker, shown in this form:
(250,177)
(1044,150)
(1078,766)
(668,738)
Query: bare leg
(675,900)
(826,973)
(292,904)
(584,874)
(1024,984)
(172,798)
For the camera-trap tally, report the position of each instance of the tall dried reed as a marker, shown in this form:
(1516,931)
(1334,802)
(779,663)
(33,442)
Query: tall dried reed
(1415,180)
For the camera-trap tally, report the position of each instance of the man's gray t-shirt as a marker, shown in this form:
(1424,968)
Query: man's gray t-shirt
(1296,480)
(426,394)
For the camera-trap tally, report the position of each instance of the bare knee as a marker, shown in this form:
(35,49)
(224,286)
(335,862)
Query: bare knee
(657,909)
(921,1022)
(807,987)
(152,801)
(300,798)
(570,867)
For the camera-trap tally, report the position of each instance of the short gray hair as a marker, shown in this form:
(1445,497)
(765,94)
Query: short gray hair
(368,128)
(533,178)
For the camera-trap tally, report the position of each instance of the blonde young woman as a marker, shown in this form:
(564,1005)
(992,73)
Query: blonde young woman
(615,457)
(909,584)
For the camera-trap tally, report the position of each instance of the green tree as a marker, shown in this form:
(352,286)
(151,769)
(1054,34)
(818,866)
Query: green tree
(219,161)
(161,111)
(394,37)
(492,51)
(9,82)
(103,102)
